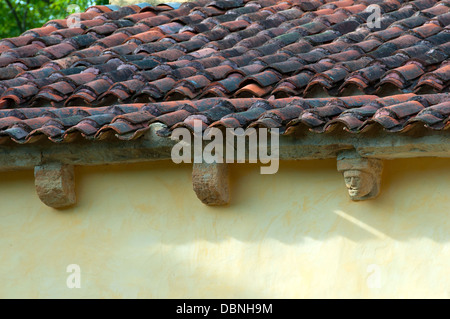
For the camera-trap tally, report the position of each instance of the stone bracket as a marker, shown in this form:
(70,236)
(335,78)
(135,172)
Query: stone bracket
(211,183)
(362,176)
(300,146)
(55,184)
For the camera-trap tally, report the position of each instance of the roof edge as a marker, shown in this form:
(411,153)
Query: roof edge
(152,147)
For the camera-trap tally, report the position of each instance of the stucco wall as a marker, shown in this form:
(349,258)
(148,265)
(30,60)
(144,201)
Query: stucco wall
(139,231)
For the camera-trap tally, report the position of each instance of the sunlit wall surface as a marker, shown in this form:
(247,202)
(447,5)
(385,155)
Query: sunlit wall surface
(138,231)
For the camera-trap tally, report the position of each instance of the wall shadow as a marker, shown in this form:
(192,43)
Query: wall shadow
(304,199)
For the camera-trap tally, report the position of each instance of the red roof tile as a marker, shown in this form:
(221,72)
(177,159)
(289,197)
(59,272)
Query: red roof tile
(235,50)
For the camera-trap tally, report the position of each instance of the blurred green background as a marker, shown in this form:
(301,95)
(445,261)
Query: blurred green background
(17,16)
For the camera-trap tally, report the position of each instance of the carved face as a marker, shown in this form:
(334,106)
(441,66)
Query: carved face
(359,183)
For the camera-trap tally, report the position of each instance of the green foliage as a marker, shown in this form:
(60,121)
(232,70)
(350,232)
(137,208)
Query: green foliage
(17,16)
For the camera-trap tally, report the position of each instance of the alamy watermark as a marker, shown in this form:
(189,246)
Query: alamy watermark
(74,279)
(373,281)
(74,19)
(227,146)
(374,19)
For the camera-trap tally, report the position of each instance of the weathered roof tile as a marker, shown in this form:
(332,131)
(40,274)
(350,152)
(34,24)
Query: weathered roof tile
(233,50)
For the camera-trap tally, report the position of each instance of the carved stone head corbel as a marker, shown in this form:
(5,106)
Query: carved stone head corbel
(362,176)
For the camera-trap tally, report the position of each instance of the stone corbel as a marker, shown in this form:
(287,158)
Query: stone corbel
(55,184)
(210,183)
(362,176)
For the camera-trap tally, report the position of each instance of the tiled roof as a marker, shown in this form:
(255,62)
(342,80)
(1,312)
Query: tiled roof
(229,63)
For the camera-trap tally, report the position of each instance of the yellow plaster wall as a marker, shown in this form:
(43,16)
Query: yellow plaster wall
(138,231)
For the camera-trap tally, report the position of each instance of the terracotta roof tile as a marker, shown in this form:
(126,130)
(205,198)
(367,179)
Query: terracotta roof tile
(217,57)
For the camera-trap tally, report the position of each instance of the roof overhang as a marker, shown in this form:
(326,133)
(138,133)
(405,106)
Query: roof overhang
(53,163)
